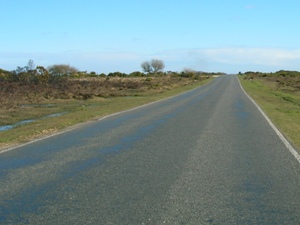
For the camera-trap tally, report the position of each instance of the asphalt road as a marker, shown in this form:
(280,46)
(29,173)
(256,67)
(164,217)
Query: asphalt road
(207,156)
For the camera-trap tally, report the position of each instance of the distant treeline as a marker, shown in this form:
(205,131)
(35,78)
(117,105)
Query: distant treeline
(34,84)
(283,78)
(280,73)
(42,75)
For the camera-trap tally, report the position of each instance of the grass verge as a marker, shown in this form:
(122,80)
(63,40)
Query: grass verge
(283,108)
(79,111)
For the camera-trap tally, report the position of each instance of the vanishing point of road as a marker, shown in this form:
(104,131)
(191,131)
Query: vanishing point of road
(207,156)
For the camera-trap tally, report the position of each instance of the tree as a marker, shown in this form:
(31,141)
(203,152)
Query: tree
(62,70)
(187,72)
(136,74)
(157,65)
(117,74)
(30,65)
(42,75)
(146,66)
(154,66)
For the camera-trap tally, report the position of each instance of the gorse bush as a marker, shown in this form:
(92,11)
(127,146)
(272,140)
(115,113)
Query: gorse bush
(285,79)
(32,84)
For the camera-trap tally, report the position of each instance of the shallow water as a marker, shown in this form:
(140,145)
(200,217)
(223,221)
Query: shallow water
(11,126)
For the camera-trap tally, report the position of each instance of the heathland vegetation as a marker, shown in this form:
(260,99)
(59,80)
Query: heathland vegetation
(59,96)
(278,94)
(36,94)
(30,84)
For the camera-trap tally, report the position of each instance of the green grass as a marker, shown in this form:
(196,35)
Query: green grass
(79,111)
(281,107)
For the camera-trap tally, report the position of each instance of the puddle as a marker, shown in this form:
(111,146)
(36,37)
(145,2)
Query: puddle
(54,115)
(11,126)
(8,127)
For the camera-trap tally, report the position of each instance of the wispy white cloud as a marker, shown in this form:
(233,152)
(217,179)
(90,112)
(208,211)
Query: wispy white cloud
(259,56)
(238,55)
(100,61)
(233,59)
(206,59)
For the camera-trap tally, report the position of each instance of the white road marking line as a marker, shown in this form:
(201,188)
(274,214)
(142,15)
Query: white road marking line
(280,135)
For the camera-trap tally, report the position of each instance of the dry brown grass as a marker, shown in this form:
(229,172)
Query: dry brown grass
(82,99)
(13,94)
(280,103)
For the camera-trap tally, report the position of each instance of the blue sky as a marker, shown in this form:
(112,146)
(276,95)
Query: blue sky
(113,35)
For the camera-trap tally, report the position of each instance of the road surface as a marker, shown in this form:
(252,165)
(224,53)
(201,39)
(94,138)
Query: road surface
(207,156)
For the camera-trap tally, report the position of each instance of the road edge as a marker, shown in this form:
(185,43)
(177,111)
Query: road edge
(292,150)
(67,129)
